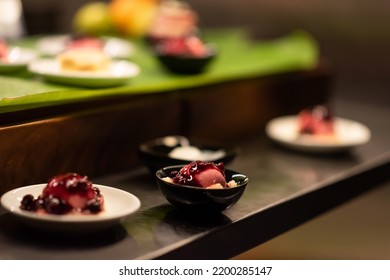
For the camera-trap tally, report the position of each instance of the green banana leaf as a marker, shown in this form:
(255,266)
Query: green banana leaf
(238,58)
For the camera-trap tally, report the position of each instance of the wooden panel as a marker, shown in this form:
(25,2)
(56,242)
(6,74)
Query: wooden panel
(93,142)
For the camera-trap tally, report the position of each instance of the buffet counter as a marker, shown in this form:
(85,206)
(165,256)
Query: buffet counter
(47,129)
(285,189)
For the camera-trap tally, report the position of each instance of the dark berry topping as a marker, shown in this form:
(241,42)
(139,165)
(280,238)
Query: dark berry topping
(191,174)
(190,46)
(94,206)
(54,205)
(316,120)
(66,193)
(28,203)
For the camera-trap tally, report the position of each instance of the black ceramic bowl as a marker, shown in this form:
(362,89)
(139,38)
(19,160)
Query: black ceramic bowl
(199,199)
(183,64)
(155,153)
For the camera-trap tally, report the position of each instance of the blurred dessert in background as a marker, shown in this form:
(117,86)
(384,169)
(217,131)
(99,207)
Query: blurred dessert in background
(316,120)
(3,51)
(84,53)
(318,123)
(85,42)
(173,19)
(84,59)
(175,39)
(184,55)
(190,46)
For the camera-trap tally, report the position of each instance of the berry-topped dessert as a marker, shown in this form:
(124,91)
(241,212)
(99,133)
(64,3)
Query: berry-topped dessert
(188,46)
(84,53)
(65,194)
(173,19)
(3,51)
(84,59)
(201,174)
(317,121)
(175,39)
(184,55)
(85,42)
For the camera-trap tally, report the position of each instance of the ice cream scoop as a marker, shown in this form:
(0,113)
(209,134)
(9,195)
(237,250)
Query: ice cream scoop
(200,174)
(316,121)
(188,189)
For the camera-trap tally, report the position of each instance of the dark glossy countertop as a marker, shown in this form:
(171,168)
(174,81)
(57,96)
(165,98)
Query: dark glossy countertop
(286,188)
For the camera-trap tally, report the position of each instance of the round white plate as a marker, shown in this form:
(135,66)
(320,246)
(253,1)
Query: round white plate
(114,47)
(348,134)
(117,205)
(18,58)
(118,73)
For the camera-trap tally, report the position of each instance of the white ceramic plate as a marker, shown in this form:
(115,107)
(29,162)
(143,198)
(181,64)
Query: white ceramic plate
(18,58)
(118,204)
(118,73)
(114,47)
(348,134)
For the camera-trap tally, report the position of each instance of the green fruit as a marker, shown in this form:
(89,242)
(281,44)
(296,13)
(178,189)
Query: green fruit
(92,18)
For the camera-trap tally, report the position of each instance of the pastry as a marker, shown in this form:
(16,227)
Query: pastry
(84,59)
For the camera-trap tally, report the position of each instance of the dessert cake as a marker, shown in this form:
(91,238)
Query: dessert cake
(201,174)
(64,194)
(84,59)
(188,46)
(317,124)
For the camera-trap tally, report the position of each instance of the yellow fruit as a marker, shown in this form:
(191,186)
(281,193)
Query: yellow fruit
(92,18)
(132,17)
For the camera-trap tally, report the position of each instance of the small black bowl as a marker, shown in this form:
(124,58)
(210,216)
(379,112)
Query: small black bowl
(188,65)
(155,153)
(200,199)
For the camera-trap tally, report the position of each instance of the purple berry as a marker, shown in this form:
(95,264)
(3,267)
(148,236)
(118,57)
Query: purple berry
(28,203)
